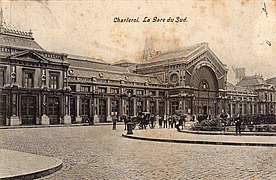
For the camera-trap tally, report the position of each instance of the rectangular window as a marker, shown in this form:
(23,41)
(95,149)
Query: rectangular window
(152,93)
(139,92)
(114,91)
(162,93)
(85,88)
(102,90)
(152,107)
(2,76)
(129,91)
(84,107)
(73,88)
(114,106)
(54,80)
(28,80)
(139,106)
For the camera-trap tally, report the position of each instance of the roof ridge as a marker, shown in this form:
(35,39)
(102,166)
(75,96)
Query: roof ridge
(180,49)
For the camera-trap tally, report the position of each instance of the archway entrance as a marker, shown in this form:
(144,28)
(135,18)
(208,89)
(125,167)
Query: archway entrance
(206,92)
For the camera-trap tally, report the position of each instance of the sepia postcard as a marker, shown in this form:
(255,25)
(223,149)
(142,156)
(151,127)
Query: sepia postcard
(168,89)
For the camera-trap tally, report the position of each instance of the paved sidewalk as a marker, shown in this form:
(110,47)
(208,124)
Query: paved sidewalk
(171,135)
(20,165)
(229,133)
(59,125)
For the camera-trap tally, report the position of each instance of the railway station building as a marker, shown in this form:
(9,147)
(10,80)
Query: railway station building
(42,87)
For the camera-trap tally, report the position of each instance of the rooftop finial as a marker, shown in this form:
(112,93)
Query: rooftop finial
(30,33)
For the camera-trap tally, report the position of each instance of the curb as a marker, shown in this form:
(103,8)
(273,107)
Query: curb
(37,174)
(227,133)
(58,125)
(199,142)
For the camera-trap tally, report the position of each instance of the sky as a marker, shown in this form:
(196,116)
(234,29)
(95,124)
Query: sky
(239,32)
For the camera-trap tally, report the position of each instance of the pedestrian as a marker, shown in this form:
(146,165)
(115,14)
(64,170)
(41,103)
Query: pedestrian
(114,121)
(170,121)
(152,119)
(238,125)
(180,123)
(173,123)
(145,119)
(124,118)
(165,122)
(160,122)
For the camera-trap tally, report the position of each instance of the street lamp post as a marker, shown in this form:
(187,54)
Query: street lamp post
(129,124)
(129,99)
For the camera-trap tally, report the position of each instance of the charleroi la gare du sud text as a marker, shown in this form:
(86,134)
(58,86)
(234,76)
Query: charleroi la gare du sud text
(148,19)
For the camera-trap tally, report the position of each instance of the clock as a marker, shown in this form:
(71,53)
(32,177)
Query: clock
(174,78)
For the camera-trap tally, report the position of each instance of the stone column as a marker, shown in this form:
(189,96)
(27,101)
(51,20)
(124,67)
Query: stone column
(67,117)
(184,106)
(15,121)
(147,105)
(135,106)
(124,106)
(167,107)
(78,118)
(96,117)
(108,110)
(157,109)
(45,120)
(231,109)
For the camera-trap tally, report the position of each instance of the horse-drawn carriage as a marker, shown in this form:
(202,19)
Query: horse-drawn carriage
(144,119)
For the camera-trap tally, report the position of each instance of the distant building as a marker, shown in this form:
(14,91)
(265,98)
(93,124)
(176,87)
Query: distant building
(239,74)
(42,87)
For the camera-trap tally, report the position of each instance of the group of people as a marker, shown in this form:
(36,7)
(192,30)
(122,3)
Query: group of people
(174,121)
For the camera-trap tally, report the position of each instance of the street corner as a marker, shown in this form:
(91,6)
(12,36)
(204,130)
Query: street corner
(173,136)
(21,165)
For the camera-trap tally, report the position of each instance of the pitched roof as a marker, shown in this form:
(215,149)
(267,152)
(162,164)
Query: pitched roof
(76,57)
(252,81)
(231,87)
(86,72)
(18,41)
(94,64)
(180,53)
(271,81)
(123,61)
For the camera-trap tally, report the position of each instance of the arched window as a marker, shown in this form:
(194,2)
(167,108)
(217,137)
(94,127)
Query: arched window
(204,85)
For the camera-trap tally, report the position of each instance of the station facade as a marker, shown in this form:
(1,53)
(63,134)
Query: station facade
(42,87)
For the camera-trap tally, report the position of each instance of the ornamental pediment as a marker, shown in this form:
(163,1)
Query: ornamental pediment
(30,56)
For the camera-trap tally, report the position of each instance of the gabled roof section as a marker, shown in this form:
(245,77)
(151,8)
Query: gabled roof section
(271,81)
(252,81)
(124,63)
(18,39)
(233,88)
(29,55)
(176,54)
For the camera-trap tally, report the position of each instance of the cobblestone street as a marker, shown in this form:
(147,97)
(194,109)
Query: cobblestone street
(97,152)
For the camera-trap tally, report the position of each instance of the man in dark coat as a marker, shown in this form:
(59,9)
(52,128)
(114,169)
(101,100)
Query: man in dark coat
(114,121)
(238,125)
